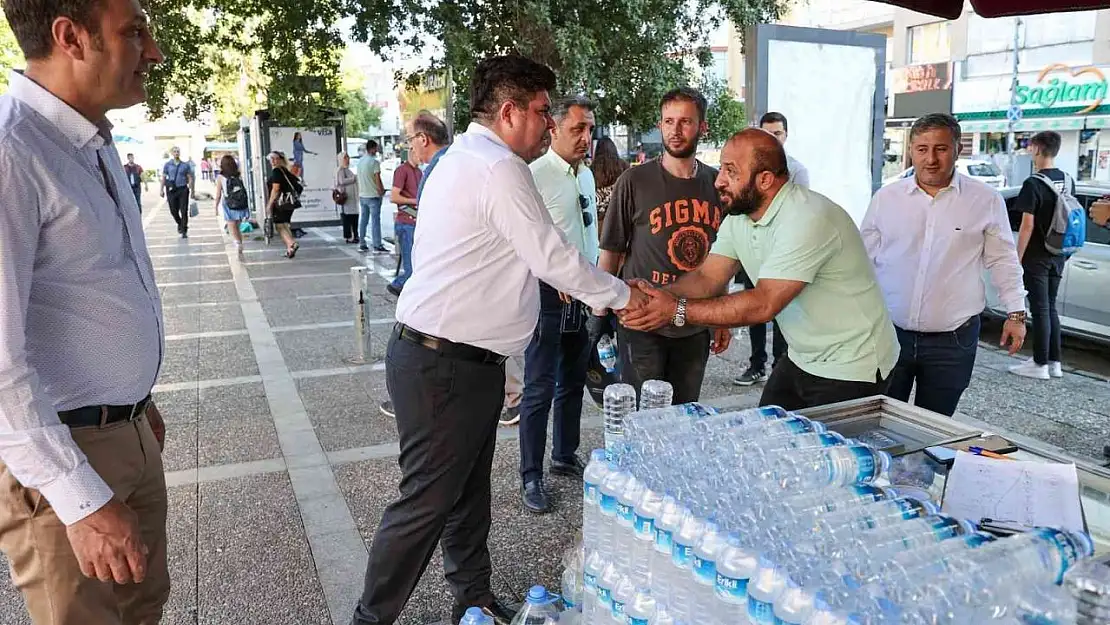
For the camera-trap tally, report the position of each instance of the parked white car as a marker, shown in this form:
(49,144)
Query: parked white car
(983,171)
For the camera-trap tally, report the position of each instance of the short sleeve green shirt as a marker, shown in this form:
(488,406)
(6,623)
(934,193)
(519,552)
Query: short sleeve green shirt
(838,326)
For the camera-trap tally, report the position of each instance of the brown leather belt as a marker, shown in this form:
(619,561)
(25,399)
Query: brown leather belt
(460,351)
(103,415)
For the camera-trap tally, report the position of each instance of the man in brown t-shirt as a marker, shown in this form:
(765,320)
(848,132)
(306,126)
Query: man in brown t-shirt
(406,185)
(663,218)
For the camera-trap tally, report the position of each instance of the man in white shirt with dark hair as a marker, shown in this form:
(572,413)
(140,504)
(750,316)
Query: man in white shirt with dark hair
(483,243)
(930,238)
(82,490)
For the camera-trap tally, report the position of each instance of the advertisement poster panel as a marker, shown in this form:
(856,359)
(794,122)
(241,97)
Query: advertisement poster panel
(311,153)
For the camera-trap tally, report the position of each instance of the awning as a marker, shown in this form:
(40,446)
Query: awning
(221,146)
(952,9)
(1037,124)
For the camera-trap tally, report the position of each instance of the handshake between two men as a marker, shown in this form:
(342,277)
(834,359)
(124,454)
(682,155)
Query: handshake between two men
(651,308)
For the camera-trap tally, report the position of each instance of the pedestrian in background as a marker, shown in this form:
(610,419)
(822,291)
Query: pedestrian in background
(135,179)
(485,240)
(346,198)
(178,180)
(82,490)
(1042,270)
(807,258)
(662,220)
(430,139)
(406,185)
(205,169)
(284,192)
(930,237)
(231,200)
(370,192)
(607,166)
(558,354)
(756,373)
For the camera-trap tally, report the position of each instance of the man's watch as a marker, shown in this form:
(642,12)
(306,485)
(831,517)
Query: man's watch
(679,319)
(1016,316)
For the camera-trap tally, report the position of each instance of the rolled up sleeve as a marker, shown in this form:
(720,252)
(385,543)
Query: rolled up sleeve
(516,211)
(36,447)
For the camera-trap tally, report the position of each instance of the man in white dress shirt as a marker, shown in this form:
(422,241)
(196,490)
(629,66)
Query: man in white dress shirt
(484,242)
(930,238)
(82,491)
(558,355)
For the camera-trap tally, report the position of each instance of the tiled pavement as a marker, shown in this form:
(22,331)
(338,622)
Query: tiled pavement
(280,464)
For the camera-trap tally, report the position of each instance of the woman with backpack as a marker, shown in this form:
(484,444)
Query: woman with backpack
(231,199)
(345,196)
(285,197)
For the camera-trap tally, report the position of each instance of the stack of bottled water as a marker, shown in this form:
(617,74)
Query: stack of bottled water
(762,516)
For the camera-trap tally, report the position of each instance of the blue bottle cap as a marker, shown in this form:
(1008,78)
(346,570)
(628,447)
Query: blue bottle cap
(474,615)
(537,594)
(597,455)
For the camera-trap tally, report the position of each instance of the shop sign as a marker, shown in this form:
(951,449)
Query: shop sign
(1060,85)
(920,78)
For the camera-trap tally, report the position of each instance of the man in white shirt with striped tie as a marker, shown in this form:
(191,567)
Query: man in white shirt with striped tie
(930,238)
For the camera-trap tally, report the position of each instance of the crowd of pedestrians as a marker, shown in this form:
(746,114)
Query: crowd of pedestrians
(506,251)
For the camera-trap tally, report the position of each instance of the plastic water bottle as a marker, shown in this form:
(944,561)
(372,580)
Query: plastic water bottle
(735,566)
(619,401)
(607,584)
(643,553)
(625,534)
(642,608)
(538,606)
(682,557)
(704,567)
(667,522)
(595,566)
(475,616)
(662,616)
(656,394)
(607,353)
(595,472)
(763,588)
(622,597)
(571,581)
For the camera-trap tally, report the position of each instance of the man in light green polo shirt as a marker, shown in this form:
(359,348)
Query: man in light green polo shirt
(811,274)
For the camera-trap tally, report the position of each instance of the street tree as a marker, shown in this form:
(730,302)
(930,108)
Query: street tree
(361,116)
(725,114)
(623,54)
(10,54)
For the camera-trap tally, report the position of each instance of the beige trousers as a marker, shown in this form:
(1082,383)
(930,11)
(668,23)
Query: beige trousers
(514,383)
(43,566)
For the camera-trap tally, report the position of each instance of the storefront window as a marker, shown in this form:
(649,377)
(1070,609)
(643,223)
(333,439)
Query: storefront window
(1089,154)
(928,43)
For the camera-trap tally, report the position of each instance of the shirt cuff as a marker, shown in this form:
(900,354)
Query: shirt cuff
(78,494)
(624,293)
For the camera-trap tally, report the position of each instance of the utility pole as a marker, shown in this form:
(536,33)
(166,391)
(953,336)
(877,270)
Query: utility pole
(1013,89)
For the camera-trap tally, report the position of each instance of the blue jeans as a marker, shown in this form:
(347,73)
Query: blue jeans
(404,234)
(939,362)
(370,208)
(554,369)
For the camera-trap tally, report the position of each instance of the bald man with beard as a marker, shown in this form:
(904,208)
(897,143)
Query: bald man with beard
(811,273)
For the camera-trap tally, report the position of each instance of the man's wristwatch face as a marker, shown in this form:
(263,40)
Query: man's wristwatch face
(680,314)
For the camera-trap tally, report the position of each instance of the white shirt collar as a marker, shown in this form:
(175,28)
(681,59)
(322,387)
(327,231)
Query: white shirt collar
(552,158)
(956,185)
(75,126)
(479,129)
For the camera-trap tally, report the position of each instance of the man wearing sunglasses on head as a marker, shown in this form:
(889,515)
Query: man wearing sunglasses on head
(556,360)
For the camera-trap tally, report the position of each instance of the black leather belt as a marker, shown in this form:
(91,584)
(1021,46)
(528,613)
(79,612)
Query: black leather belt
(103,415)
(460,351)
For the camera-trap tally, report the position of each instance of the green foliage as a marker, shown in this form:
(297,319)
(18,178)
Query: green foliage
(624,55)
(725,114)
(10,54)
(361,117)
(233,56)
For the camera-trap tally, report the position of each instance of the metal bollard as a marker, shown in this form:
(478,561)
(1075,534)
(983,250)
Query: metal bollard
(360,296)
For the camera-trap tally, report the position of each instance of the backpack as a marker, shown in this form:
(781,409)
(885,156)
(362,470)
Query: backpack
(236,198)
(1068,230)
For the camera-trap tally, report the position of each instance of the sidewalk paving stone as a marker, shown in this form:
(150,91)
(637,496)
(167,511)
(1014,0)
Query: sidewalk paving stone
(254,564)
(292,287)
